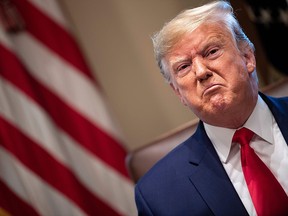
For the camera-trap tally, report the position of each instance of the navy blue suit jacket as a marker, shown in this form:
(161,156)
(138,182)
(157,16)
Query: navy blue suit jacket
(191,179)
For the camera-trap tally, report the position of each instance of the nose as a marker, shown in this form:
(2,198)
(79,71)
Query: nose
(200,69)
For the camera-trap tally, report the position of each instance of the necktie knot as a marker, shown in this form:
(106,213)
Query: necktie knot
(243,136)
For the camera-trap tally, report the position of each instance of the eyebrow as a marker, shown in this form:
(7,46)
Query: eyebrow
(178,59)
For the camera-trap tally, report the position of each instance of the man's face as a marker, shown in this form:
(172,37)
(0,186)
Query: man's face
(210,74)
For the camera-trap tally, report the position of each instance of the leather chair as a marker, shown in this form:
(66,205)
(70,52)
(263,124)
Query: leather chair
(139,161)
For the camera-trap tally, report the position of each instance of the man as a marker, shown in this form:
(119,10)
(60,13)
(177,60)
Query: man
(210,64)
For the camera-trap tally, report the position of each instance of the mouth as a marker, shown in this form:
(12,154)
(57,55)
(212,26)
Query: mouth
(211,89)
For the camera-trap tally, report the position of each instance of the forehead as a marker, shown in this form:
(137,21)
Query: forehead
(202,36)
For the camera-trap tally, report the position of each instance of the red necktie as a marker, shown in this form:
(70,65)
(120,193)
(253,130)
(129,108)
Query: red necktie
(267,195)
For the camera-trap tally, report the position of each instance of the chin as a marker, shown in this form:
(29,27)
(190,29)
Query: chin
(220,103)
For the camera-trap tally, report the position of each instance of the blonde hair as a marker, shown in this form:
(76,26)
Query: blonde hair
(187,21)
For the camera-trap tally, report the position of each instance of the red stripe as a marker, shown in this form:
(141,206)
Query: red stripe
(53,172)
(80,128)
(52,35)
(13,204)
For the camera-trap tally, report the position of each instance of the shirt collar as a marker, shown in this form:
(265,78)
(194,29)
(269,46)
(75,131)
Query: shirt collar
(260,122)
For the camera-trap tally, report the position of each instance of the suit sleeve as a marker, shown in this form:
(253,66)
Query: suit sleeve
(142,206)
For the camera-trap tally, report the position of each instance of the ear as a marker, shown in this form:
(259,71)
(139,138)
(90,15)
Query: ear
(249,59)
(177,92)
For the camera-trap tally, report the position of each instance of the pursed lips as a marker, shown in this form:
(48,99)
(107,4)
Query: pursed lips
(210,88)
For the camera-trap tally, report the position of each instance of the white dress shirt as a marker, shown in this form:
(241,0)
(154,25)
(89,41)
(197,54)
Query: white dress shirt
(268,143)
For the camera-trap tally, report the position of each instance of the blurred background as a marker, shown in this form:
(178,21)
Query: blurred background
(115,38)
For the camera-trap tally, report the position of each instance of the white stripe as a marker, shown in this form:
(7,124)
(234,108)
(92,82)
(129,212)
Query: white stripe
(111,187)
(32,189)
(66,81)
(18,109)
(52,10)
(101,179)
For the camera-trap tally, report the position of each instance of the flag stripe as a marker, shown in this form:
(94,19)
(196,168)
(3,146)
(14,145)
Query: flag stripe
(83,130)
(24,113)
(51,9)
(52,77)
(8,200)
(62,44)
(46,167)
(33,190)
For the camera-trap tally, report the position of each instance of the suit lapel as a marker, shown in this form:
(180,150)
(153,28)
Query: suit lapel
(211,179)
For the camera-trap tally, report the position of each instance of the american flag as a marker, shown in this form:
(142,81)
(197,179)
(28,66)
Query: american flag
(60,152)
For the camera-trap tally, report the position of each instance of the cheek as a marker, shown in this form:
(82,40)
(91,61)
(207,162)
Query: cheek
(188,93)
(191,99)
(235,71)
(187,87)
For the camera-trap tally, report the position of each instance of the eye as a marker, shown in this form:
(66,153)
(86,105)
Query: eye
(212,52)
(182,67)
